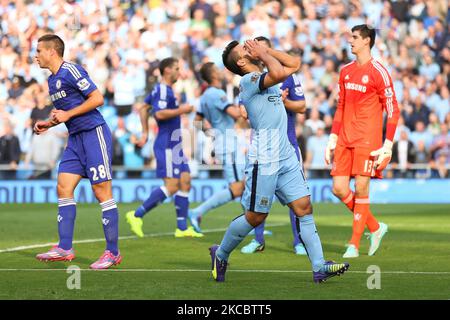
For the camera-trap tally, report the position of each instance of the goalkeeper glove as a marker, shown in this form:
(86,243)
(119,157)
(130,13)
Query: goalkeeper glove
(330,147)
(384,155)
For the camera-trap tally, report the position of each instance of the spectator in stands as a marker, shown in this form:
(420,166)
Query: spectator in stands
(9,152)
(403,155)
(123,89)
(412,41)
(43,162)
(420,134)
(314,121)
(440,166)
(315,155)
(441,143)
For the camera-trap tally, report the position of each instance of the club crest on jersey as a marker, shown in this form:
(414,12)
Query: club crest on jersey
(365,79)
(162,104)
(58,84)
(298,91)
(254,77)
(83,84)
(264,202)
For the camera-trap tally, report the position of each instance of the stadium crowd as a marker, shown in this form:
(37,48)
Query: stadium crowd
(121,42)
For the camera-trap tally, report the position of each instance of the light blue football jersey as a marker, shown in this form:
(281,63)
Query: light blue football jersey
(213,105)
(268,119)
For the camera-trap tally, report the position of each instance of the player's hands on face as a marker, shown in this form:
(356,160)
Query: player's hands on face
(40,127)
(59,116)
(254,48)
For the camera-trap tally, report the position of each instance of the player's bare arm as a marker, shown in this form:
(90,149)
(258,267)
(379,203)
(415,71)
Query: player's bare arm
(291,63)
(93,101)
(143,115)
(243,112)
(172,113)
(336,127)
(233,112)
(43,125)
(298,106)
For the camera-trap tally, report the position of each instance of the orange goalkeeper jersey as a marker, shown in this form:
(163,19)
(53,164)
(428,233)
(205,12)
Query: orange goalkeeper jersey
(364,92)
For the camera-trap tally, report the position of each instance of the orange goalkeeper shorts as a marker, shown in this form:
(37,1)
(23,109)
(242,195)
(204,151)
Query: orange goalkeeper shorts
(354,162)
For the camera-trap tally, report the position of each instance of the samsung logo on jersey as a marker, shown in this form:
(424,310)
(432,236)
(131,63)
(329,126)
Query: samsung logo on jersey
(58,95)
(356,87)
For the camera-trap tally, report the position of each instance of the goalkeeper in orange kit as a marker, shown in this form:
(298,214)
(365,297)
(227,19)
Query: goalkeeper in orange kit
(355,147)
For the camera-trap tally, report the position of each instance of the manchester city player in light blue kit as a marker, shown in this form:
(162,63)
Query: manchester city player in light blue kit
(221,114)
(272,167)
(88,152)
(294,102)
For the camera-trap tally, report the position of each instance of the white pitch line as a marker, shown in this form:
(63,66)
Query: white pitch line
(151,235)
(244,271)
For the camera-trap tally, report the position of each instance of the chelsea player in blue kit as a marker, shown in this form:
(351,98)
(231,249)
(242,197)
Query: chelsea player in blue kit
(294,102)
(272,167)
(171,164)
(221,114)
(88,152)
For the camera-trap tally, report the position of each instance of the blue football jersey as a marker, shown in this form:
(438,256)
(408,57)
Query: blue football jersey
(268,120)
(292,83)
(68,89)
(162,98)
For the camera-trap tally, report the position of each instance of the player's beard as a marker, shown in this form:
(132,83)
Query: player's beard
(254,61)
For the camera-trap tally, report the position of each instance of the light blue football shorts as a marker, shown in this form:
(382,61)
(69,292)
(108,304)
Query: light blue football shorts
(284,178)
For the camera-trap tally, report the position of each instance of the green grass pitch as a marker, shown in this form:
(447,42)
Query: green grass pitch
(414,257)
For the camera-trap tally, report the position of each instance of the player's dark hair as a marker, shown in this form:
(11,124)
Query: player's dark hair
(230,58)
(56,42)
(206,72)
(262,38)
(366,31)
(166,63)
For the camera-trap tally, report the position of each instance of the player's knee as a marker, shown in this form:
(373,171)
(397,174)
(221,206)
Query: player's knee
(102,191)
(255,219)
(172,189)
(303,208)
(361,189)
(64,191)
(339,191)
(185,186)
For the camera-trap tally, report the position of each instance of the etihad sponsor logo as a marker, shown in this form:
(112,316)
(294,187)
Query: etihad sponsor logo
(355,86)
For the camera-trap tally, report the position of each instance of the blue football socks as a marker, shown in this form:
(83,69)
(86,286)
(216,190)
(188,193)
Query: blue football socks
(110,221)
(67,212)
(157,196)
(182,206)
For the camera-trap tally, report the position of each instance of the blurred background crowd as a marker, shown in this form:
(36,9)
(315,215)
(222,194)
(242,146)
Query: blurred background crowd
(120,43)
